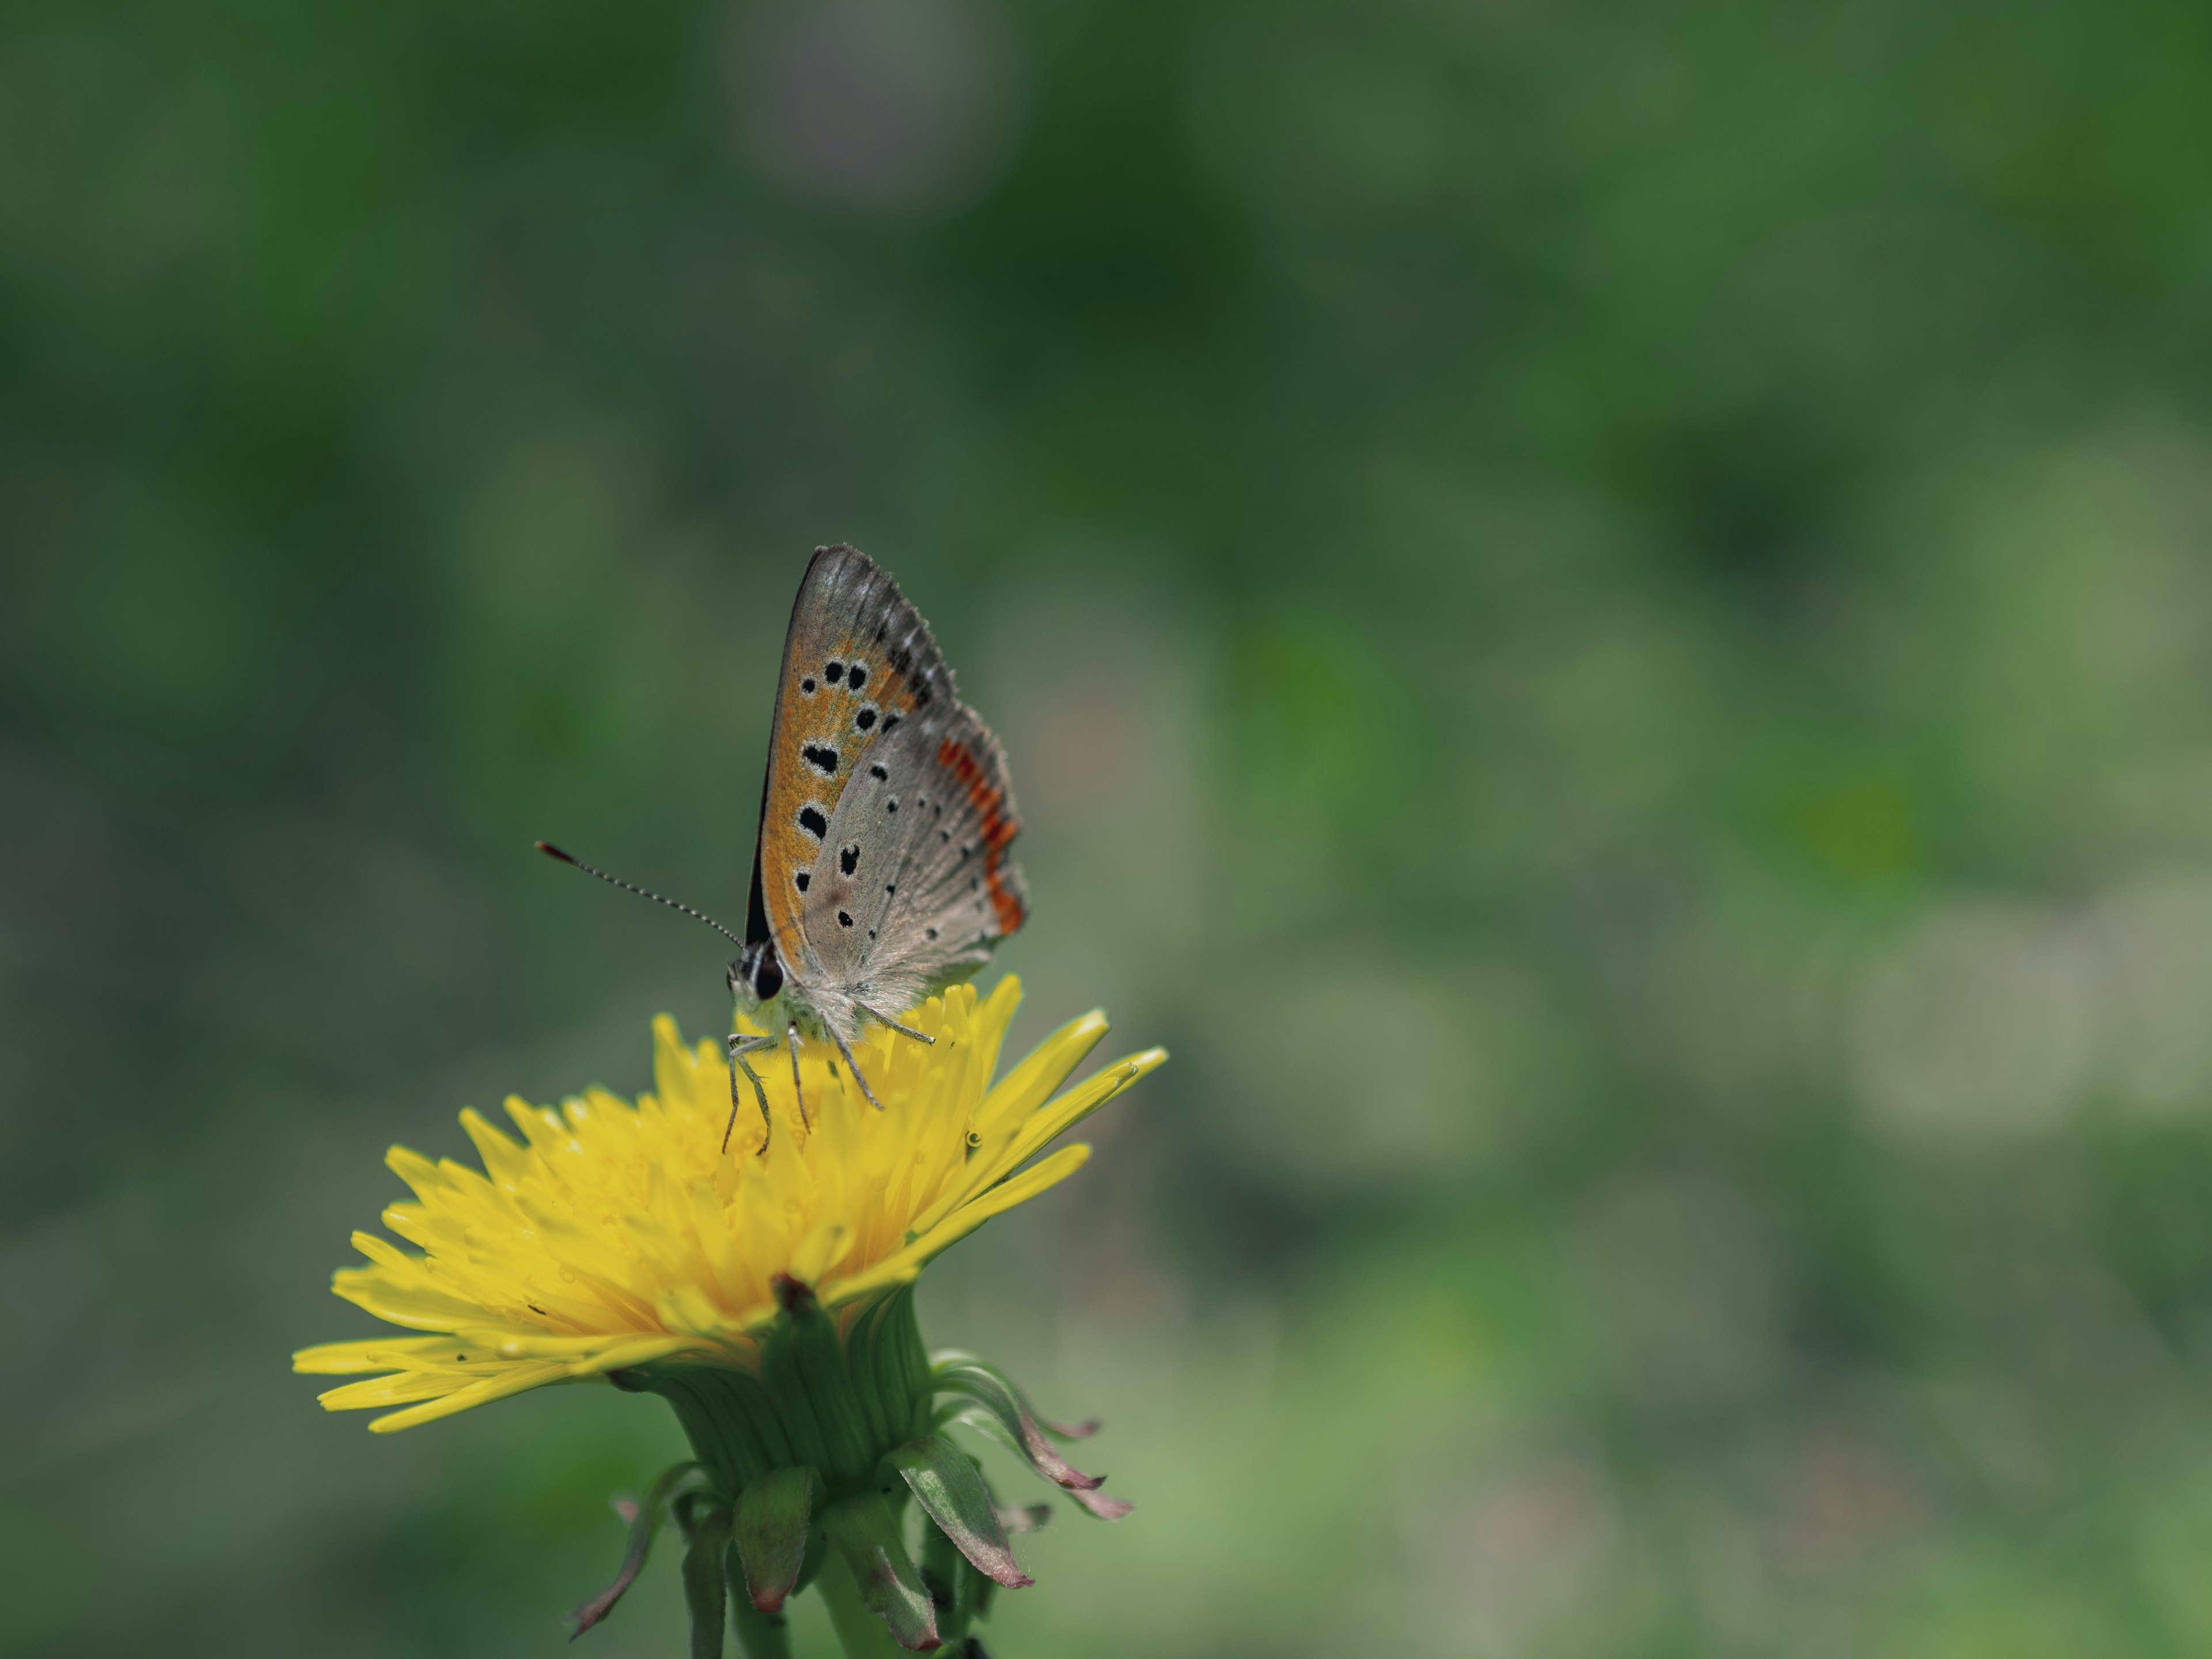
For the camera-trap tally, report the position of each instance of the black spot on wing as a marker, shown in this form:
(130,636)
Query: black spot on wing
(833,671)
(878,773)
(864,719)
(810,819)
(802,879)
(856,676)
(844,921)
(848,858)
(806,685)
(821,758)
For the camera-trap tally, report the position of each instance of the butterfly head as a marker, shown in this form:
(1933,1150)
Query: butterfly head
(756,977)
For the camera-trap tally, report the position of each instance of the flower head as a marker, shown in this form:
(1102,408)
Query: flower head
(612,1236)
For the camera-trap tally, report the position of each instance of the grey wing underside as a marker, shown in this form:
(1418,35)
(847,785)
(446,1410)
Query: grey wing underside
(925,897)
(911,885)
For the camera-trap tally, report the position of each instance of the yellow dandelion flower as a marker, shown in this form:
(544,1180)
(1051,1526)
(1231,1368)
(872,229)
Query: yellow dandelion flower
(766,1294)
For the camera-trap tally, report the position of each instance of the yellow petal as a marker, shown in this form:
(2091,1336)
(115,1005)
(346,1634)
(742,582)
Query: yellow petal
(1046,1172)
(1072,1108)
(507,1164)
(400,1388)
(1022,1140)
(380,1353)
(908,1262)
(822,1245)
(512,1380)
(1029,1084)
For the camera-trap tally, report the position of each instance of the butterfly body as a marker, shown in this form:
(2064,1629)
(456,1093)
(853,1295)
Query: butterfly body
(880,871)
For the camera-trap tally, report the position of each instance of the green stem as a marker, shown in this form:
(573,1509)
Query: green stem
(760,1635)
(861,1633)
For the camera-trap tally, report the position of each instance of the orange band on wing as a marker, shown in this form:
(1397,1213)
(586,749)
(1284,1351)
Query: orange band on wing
(997,830)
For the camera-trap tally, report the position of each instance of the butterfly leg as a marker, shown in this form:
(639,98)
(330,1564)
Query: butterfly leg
(845,1049)
(740,1046)
(886,1019)
(790,1032)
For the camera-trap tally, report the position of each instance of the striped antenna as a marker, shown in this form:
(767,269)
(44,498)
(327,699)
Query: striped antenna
(553,852)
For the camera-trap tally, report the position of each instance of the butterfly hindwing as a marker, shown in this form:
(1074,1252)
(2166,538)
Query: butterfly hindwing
(919,884)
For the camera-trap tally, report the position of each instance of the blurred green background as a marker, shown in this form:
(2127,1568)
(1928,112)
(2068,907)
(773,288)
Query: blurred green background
(1603,620)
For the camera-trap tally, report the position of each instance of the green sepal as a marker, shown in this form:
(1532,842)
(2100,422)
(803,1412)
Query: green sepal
(999,1411)
(861,1633)
(705,1584)
(945,1482)
(693,1502)
(645,1519)
(804,1365)
(984,1386)
(729,1417)
(890,1368)
(818,1551)
(961,1594)
(866,1534)
(772,1518)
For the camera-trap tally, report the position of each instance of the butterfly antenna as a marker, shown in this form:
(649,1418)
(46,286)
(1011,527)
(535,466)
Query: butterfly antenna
(553,852)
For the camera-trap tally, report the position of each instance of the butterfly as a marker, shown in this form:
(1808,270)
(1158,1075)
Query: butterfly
(880,871)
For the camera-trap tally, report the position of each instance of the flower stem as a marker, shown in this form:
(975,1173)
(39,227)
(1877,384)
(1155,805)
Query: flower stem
(860,1632)
(760,1635)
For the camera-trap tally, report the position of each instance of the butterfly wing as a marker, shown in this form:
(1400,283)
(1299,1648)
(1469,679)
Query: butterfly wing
(918,886)
(886,814)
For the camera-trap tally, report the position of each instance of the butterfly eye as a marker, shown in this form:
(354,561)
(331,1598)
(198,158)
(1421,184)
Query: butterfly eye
(757,973)
(768,977)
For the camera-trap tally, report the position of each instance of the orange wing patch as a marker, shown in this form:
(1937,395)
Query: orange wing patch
(998,829)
